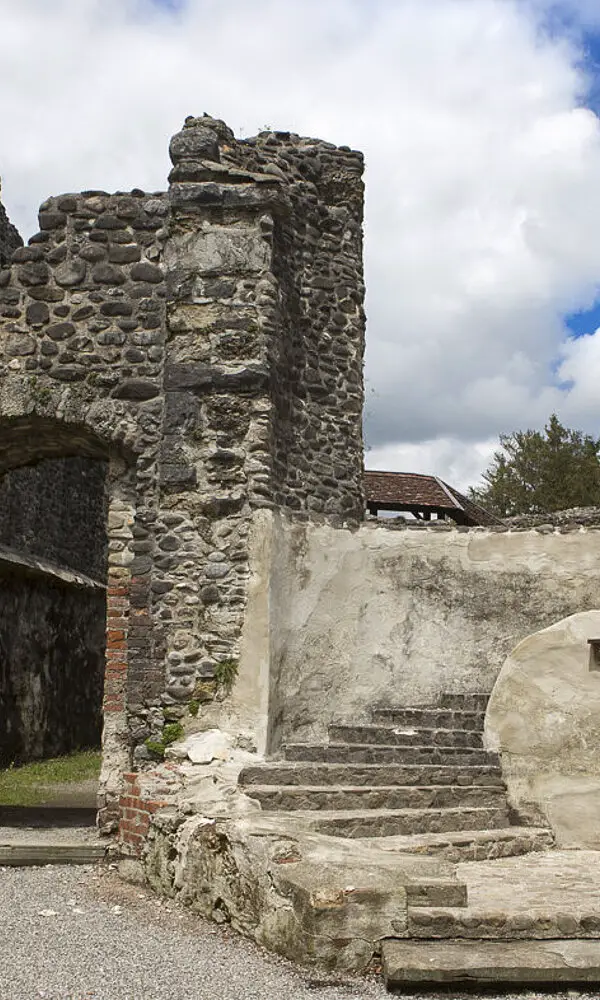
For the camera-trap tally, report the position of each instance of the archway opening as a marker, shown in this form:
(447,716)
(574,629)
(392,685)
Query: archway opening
(53,571)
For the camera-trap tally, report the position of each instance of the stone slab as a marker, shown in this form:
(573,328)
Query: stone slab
(490,962)
(553,894)
(388,822)
(25,854)
(306,773)
(405,735)
(470,845)
(291,797)
(373,753)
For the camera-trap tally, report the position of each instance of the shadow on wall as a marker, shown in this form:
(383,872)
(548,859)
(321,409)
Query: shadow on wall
(544,718)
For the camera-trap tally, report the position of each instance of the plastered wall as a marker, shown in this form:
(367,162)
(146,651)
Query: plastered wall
(378,616)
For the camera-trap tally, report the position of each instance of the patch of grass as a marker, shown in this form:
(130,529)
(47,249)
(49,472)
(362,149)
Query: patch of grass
(27,784)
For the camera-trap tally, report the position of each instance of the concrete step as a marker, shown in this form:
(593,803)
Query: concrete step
(528,963)
(405,736)
(474,845)
(48,816)
(540,922)
(293,797)
(465,702)
(21,855)
(373,775)
(429,718)
(342,753)
(392,822)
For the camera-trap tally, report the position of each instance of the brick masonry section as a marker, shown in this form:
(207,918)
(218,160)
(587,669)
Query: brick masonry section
(135,812)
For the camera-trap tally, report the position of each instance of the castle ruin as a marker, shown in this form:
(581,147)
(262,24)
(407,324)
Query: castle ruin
(183,543)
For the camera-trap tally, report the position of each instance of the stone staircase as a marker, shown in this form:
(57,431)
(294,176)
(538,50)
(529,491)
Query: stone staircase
(526,920)
(419,777)
(417,781)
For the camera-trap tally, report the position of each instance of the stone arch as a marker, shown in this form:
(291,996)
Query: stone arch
(35,447)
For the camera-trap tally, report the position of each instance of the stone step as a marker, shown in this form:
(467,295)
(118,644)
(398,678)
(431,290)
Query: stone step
(21,855)
(429,718)
(475,845)
(409,963)
(465,702)
(299,773)
(294,797)
(392,822)
(342,753)
(539,923)
(405,736)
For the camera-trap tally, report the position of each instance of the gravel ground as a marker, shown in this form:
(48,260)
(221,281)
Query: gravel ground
(79,933)
(53,835)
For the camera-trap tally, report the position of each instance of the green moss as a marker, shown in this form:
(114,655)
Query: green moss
(172,732)
(39,394)
(194,707)
(204,691)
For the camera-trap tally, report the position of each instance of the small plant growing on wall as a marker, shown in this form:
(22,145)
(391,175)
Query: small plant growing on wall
(226,672)
(172,732)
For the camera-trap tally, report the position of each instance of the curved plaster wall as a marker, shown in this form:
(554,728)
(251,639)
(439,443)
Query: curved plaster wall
(544,718)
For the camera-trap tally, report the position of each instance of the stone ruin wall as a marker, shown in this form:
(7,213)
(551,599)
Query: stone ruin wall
(52,602)
(9,238)
(207,345)
(56,510)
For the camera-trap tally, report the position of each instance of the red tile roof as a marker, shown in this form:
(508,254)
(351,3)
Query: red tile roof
(411,489)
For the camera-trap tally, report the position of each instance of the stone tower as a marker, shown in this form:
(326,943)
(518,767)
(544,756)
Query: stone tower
(206,344)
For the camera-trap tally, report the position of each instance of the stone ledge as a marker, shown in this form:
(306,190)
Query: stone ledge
(523,962)
(12,561)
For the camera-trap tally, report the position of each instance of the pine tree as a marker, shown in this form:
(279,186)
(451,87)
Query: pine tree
(537,472)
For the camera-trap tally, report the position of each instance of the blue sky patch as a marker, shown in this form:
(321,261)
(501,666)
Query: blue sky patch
(171,5)
(586,321)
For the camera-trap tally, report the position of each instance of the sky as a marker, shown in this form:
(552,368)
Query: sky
(480,128)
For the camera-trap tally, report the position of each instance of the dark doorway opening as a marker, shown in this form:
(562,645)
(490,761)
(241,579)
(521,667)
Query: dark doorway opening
(53,566)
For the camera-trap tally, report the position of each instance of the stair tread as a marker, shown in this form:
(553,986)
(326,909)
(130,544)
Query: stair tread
(527,962)
(337,744)
(373,813)
(498,789)
(378,727)
(274,765)
(427,708)
(457,837)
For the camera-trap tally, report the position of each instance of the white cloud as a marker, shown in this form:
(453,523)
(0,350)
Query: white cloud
(483,168)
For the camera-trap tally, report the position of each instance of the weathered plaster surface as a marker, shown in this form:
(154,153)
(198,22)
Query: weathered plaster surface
(376,616)
(544,718)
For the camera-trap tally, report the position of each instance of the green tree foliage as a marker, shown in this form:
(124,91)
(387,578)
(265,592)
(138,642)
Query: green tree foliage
(535,472)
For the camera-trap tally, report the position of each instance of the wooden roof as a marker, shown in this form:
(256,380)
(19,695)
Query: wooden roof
(412,490)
